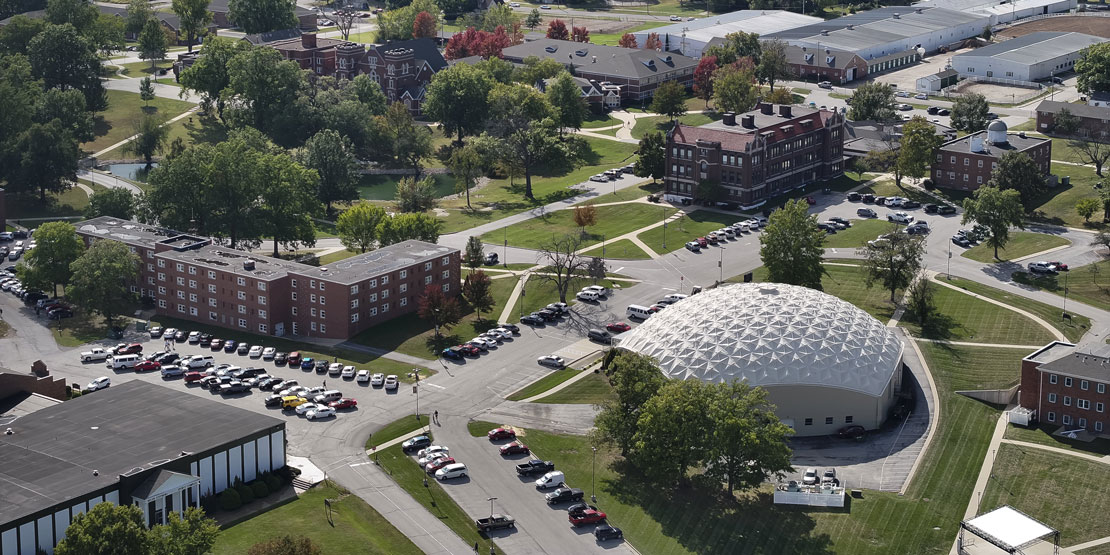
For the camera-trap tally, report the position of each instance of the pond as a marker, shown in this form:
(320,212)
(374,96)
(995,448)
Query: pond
(133,172)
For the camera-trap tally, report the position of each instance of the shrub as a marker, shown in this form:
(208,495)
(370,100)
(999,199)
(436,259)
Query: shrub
(230,500)
(260,489)
(287,473)
(273,482)
(929,185)
(245,493)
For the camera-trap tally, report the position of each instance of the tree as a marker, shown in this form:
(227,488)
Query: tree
(17,34)
(998,210)
(289,198)
(635,379)
(195,18)
(333,158)
(146,90)
(651,159)
(1093,68)
(438,309)
(262,16)
(79,13)
(475,42)
(47,265)
(1091,152)
(416,195)
(264,87)
(580,34)
(872,101)
(1064,122)
(565,97)
(969,112)
(467,164)
(703,78)
(106,529)
(1087,207)
(652,42)
(458,98)
(149,137)
(476,291)
(534,19)
(152,43)
(474,255)
(193,534)
(1102,239)
(424,26)
(68,108)
(536,69)
(101,277)
(397,24)
(106,34)
(734,89)
(628,40)
(138,13)
(781,95)
(524,134)
(1104,198)
(63,59)
(773,63)
(47,160)
(208,76)
(669,100)
(1017,171)
(115,202)
(412,142)
(894,261)
(357,227)
(791,246)
(405,227)
(286,545)
(585,216)
(922,305)
(671,430)
(748,442)
(557,30)
(563,263)
(597,269)
(345,19)
(736,46)
(919,141)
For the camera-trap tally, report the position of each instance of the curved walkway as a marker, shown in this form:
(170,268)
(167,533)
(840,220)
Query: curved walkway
(1052,329)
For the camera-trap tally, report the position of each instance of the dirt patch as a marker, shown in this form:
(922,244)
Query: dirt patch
(1001,94)
(1091,25)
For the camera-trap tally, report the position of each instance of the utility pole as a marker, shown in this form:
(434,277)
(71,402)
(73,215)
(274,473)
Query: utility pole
(416,390)
(664,229)
(491,500)
(1065,305)
(593,478)
(949,261)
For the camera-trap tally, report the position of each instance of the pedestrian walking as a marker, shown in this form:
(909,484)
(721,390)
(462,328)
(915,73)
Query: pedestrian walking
(325,383)
(435,416)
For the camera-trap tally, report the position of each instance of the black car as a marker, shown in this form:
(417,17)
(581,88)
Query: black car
(269,384)
(946,209)
(868,198)
(59,313)
(273,400)
(579,508)
(933,110)
(881,201)
(563,495)
(844,221)
(205,340)
(491,259)
(531,320)
(601,336)
(931,208)
(280,358)
(230,345)
(854,431)
(910,204)
(511,327)
(854,197)
(167,358)
(416,443)
(547,315)
(180,336)
(961,241)
(944,112)
(321,366)
(604,532)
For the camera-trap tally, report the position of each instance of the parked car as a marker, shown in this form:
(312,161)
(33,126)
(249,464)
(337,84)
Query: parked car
(494,522)
(552,361)
(217,345)
(294,359)
(127,349)
(511,327)
(453,353)
(268,353)
(588,516)
(899,217)
(961,241)
(531,320)
(921,96)
(255,351)
(514,448)
(451,471)
(824,85)
(501,433)
(377,380)
(94,354)
(415,443)
(272,400)
(102,382)
(391,382)
(534,466)
(563,495)
(552,479)
(605,532)
(810,477)
(854,431)
(157,332)
(230,345)
(306,406)
(618,327)
(148,366)
(946,209)
(319,412)
(172,371)
(1059,266)
(693,246)
(1041,268)
(438,463)
(307,363)
(243,349)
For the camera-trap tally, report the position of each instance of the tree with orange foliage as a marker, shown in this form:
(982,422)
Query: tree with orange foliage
(424,26)
(516,35)
(703,78)
(585,216)
(580,34)
(628,40)
(557,30)
(653,42)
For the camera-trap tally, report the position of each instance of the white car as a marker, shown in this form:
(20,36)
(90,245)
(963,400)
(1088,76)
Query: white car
(429,457)
(453,470)
(675,18)
(1041,268)
(377,379)
(902,94)
(363,376)
(494,336)
(596,289)
(169,333)
(268,353)
(485,342)
(348,372)
(514,4)
(502,333)
(295,390)
(726,231)
(600,178)
(899,217)
(172,371)
(312,392)
(95,354)
(551,360)
(810,477)
(391,382)
(321,411)
(305,407)
(334,369)
(194,337)
(431,449)
(255,351)
(921,96)
(100,383)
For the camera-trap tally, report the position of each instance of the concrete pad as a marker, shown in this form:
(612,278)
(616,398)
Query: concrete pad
(310,473)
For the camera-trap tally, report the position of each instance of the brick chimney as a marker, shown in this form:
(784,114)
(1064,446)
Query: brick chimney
(308,40)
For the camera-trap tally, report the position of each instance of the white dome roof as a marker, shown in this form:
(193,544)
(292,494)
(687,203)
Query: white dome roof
(770,334)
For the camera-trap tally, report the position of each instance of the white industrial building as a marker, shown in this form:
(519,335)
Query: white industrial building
(691,38)
(1003,11)
(1031,57)
(824,362)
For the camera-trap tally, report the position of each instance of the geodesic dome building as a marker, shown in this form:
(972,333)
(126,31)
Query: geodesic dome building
(825,363)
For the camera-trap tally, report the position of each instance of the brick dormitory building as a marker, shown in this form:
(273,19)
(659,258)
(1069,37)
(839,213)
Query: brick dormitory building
(967,162)
(190,278)
(756,155)
(1067,386)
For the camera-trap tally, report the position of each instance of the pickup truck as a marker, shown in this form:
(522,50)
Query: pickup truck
(534,467)
(494,522)
(95,354)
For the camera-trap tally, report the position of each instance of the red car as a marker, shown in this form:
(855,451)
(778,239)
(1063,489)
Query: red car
(294,358)
(437,464)
(1060,266)
(147,366)
(514,448)
(191,377)
(811,200)
(588,516)
(344,403)
(702,242)
(125,349)
(618,327)
(469,350)
(500,433)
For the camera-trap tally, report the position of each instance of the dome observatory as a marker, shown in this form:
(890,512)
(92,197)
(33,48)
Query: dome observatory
(824,363)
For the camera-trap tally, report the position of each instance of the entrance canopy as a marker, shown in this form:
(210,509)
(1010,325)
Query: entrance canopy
(1008,529)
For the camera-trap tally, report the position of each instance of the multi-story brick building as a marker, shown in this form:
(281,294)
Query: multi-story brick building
(816,64)
(189,278)
(1065,385)
(756,155)
(1094,121)
(966,163)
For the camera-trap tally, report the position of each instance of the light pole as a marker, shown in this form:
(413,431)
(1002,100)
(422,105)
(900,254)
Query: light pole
(949,261)
(491,500)
(664,229)
(436,312)
(721,265)
(593,477)
(1065,305)
(416,390)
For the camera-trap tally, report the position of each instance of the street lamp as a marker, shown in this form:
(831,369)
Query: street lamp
(664,229)
(491,500)
(416,390)
(436,312)
(593,478)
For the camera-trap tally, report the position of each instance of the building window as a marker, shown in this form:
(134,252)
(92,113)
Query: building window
(241,281)
(211,315)
(354,290)
(211,288)
(212,301)
(313,326)
(427,280)
(404,287)
(980,163)
(192,311)
(1102,388)
(1052,378)
(1067,381)
(1084,385)
(150,267)
(848,419)
(323,328)
(385,280)
(242,309)
(427,266)
(261,313)
(161,303)
(161,263)
(294,293)
(261,286)
(242,323)
(261,299)
(354,317)
(1067,419)
(979,179)
(312,311)
(374,311)
(404,301)
(809,421)
(323,313)
(161,290)
(263,328)
(373,283)
(322,300)
(385,293)
(446,287)
(1051,417)
(373,297)
(192,297)
(242,295)
(293,310)
(385,307)
(1098,426)
(192,270)
(445,260)
(180,267)
(404,274)
(312,284)
(1083,404)
(1051,397)
(1099,407)
(181,281)
(294,284)
(312,298)
(192,284)
(211,274)
(1067,400)
(181,294)
(828,420)
(161,276)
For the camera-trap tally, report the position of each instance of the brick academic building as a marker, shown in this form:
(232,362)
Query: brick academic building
(190,278)
(967,163)
(1067,386)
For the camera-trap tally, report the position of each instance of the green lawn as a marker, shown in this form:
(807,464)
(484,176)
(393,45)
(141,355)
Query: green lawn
(411,335)
(384,187)
(336,256)
(1057,205)
(1103,549)
(191,130)
(543,384)
(623,249)
(1073,328)
(686,228)
(611,39)
(400,427)
(611,221)
(591,390)
(1043,435)
(628,193)
(977,321)
(71,202)
(847,283)
(859,234)
(1084,283)
(499,199)
(365,37)
(972,368)
(663,123)
(83,328)
(142,69)
(1022,243)
(354,527)
(600,120)
(124,110)
(1053,488)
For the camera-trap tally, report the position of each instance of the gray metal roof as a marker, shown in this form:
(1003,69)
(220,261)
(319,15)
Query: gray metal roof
(1034,47)
(1014,142)
(877,27)
(377,262)
(1080,364)
(602,60)
(760,22)
(125,231)
(1079,110)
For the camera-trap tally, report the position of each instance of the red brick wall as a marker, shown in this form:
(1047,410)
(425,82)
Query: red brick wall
(1030,385)
(1075,393)
(48,386)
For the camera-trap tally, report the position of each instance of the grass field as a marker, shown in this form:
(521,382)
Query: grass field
(628,193)
(612,221)
(365,37)
(971,368)
(591,390)
(398,428)
(1057,205)
(1053,488)
(859,234)
(384,187)
(977,321)
(1022,243)
(83,328)
(623,249)
(686,228)
(847,283)
(600,120)
(142,69)
(71,202)
(1084,283)
(663,123)
(354,527)
(1073,328)
(336,256)
(191,130)
(124,110)
(543,384)
(1043,435)
(611,39)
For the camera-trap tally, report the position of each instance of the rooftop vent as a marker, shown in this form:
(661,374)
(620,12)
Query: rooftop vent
(897,15)
(784,110)
(767,109)
(96,473)
(595,59)
(649,63)
(248,264)
(729,118)
(748,121)
(666,59)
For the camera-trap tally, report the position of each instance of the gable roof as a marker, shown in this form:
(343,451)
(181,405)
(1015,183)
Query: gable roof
(1079,110)
(818,57)
(272,36)
(602,60)
(422,49)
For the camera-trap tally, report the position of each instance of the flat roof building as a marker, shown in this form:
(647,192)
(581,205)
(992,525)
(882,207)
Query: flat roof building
(691,38)
(1031,57)
(134,443)
(968,162)
(1065,385)
(1003,11)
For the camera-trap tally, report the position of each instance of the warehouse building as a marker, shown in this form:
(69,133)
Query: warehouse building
(136,443)
(691,38)
(1028,58)
(1003,11)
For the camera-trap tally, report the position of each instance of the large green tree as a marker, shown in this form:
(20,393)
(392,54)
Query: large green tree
(468,164)
(63,59)
(138,13)
(535,69)
(565,97)
(289,201)
(358,226)
(1017,171)
(116,202)
(101,284)
(998,210)
(651,159)
(969,112)
(149,137)
(152,43)
(635,379)
(17,34)
(792,247)
(106,34)
(669,100)
(476,291)
(195,18)
(1093,68)
(332,156)
(474,254)
(412,142)
(180,195)
(262,16)
(107,529)
(47,265)
(748,444)
(872,101)
(773,63)
(524,132)
(894,261)
(79,13)
(68,107)
(415,195)
(47,160)
(208,76)
(403,227)
(915,152)
(191,534)
(266,87)
(671,429)
(736,46)
(458,98)
(734,89)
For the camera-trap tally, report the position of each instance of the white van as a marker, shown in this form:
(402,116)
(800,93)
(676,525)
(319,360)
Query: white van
(587,295)
(122,362)
(551,479)
(453,470)
(329,396)
(674,297)
(637,311)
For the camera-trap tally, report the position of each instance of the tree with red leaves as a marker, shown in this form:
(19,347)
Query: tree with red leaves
(628,40)
(438,309)
(557,30)
(473,42)
(494,43)
(653,42)
(424,26)
(703,78)
(580,34)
